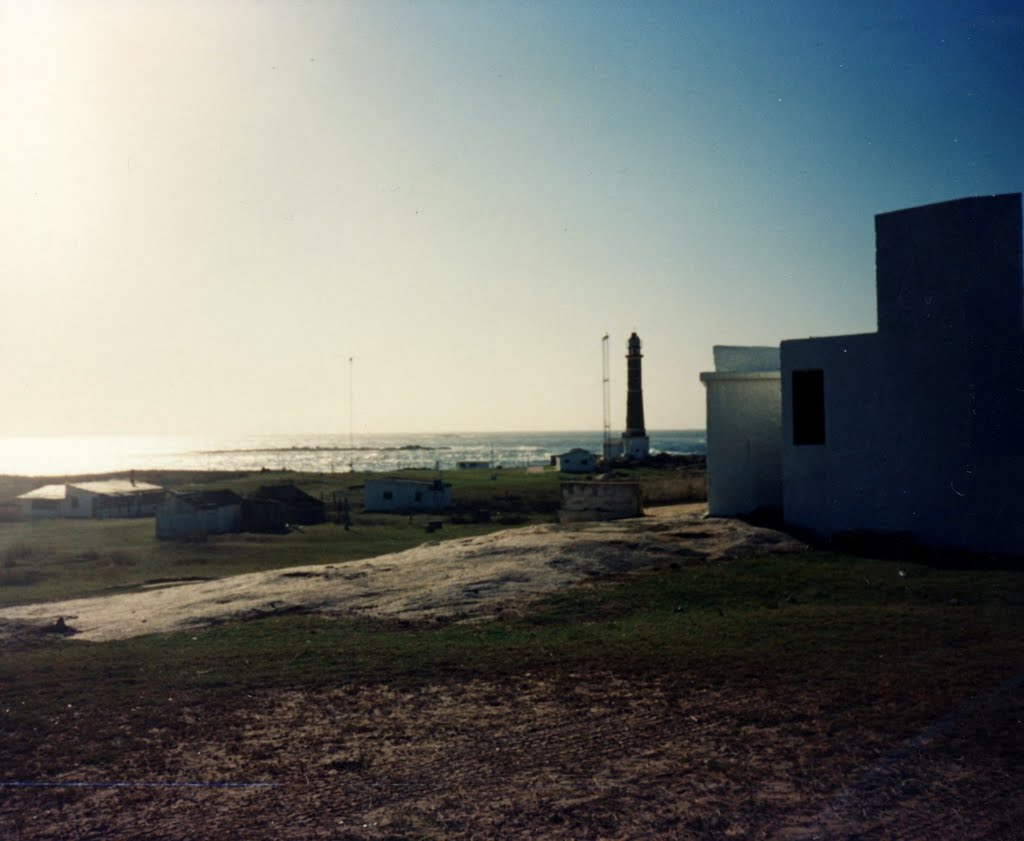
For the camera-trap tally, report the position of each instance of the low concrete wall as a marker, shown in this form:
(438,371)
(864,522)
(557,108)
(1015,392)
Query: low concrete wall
(596,501)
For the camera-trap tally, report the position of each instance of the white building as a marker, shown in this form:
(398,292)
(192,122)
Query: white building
(44,502)
(406,495)
(915,429)
(744,431)
(190,514)
(576,460)
(101,499)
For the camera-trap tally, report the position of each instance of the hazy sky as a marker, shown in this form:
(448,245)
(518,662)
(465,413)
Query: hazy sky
(207,207)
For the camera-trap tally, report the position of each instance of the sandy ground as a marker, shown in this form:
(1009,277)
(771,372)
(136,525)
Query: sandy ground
(464,577)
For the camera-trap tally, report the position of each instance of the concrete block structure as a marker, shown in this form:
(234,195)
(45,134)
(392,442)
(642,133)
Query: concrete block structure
(917,428)
(744,427)
(598,501)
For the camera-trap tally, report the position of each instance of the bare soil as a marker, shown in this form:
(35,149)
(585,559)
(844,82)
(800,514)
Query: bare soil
(586,755)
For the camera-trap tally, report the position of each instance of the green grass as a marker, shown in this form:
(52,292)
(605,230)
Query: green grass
(47,560)
(816,616)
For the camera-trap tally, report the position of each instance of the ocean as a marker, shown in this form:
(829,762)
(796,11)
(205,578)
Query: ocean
(67,456)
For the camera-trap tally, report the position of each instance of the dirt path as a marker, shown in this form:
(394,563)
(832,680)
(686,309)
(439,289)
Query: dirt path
(469,576)
(577,756)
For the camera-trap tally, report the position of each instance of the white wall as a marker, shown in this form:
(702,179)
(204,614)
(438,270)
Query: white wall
(636,446)
(176,518)
(744,434)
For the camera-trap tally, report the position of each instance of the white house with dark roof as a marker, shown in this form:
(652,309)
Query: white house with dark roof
(576,460)
(406,495)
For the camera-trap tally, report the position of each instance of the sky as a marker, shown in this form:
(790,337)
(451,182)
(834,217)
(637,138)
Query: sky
(208,208)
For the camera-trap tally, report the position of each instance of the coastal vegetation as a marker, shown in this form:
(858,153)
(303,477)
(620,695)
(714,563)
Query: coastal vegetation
(45,560)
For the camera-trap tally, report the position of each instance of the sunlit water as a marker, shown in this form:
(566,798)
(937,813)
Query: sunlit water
(59,456)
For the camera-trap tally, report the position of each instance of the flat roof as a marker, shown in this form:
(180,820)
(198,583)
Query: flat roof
(45,492)
(115,486)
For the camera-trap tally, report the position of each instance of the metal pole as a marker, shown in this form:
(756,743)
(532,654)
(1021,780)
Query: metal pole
(351,414)
(606,385)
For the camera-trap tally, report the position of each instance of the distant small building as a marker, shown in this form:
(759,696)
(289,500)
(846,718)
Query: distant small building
(406,495)
(298,507)
(576,460)
(44,502)
(193,513)
(103,499)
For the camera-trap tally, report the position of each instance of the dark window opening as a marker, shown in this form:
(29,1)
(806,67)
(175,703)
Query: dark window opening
(809,407)
(388,495)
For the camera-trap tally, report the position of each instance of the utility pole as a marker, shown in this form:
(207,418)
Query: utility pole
(351,415)
(606,385)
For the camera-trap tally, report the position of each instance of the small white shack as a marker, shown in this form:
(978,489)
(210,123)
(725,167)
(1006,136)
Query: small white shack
(406,495)
(44,502)
(198,513)
(744,428)
(576,460)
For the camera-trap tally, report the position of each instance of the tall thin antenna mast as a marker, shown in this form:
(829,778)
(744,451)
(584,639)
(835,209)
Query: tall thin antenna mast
(351,412)
(606,385)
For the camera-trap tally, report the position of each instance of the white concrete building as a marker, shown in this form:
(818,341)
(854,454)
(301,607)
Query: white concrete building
(576,460)
(915,429)
(406,495)
(744,430)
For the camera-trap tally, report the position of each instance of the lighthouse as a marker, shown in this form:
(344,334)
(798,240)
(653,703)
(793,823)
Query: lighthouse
(635,443)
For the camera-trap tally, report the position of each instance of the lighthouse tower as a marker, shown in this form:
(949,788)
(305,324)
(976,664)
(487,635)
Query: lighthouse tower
(635,443)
